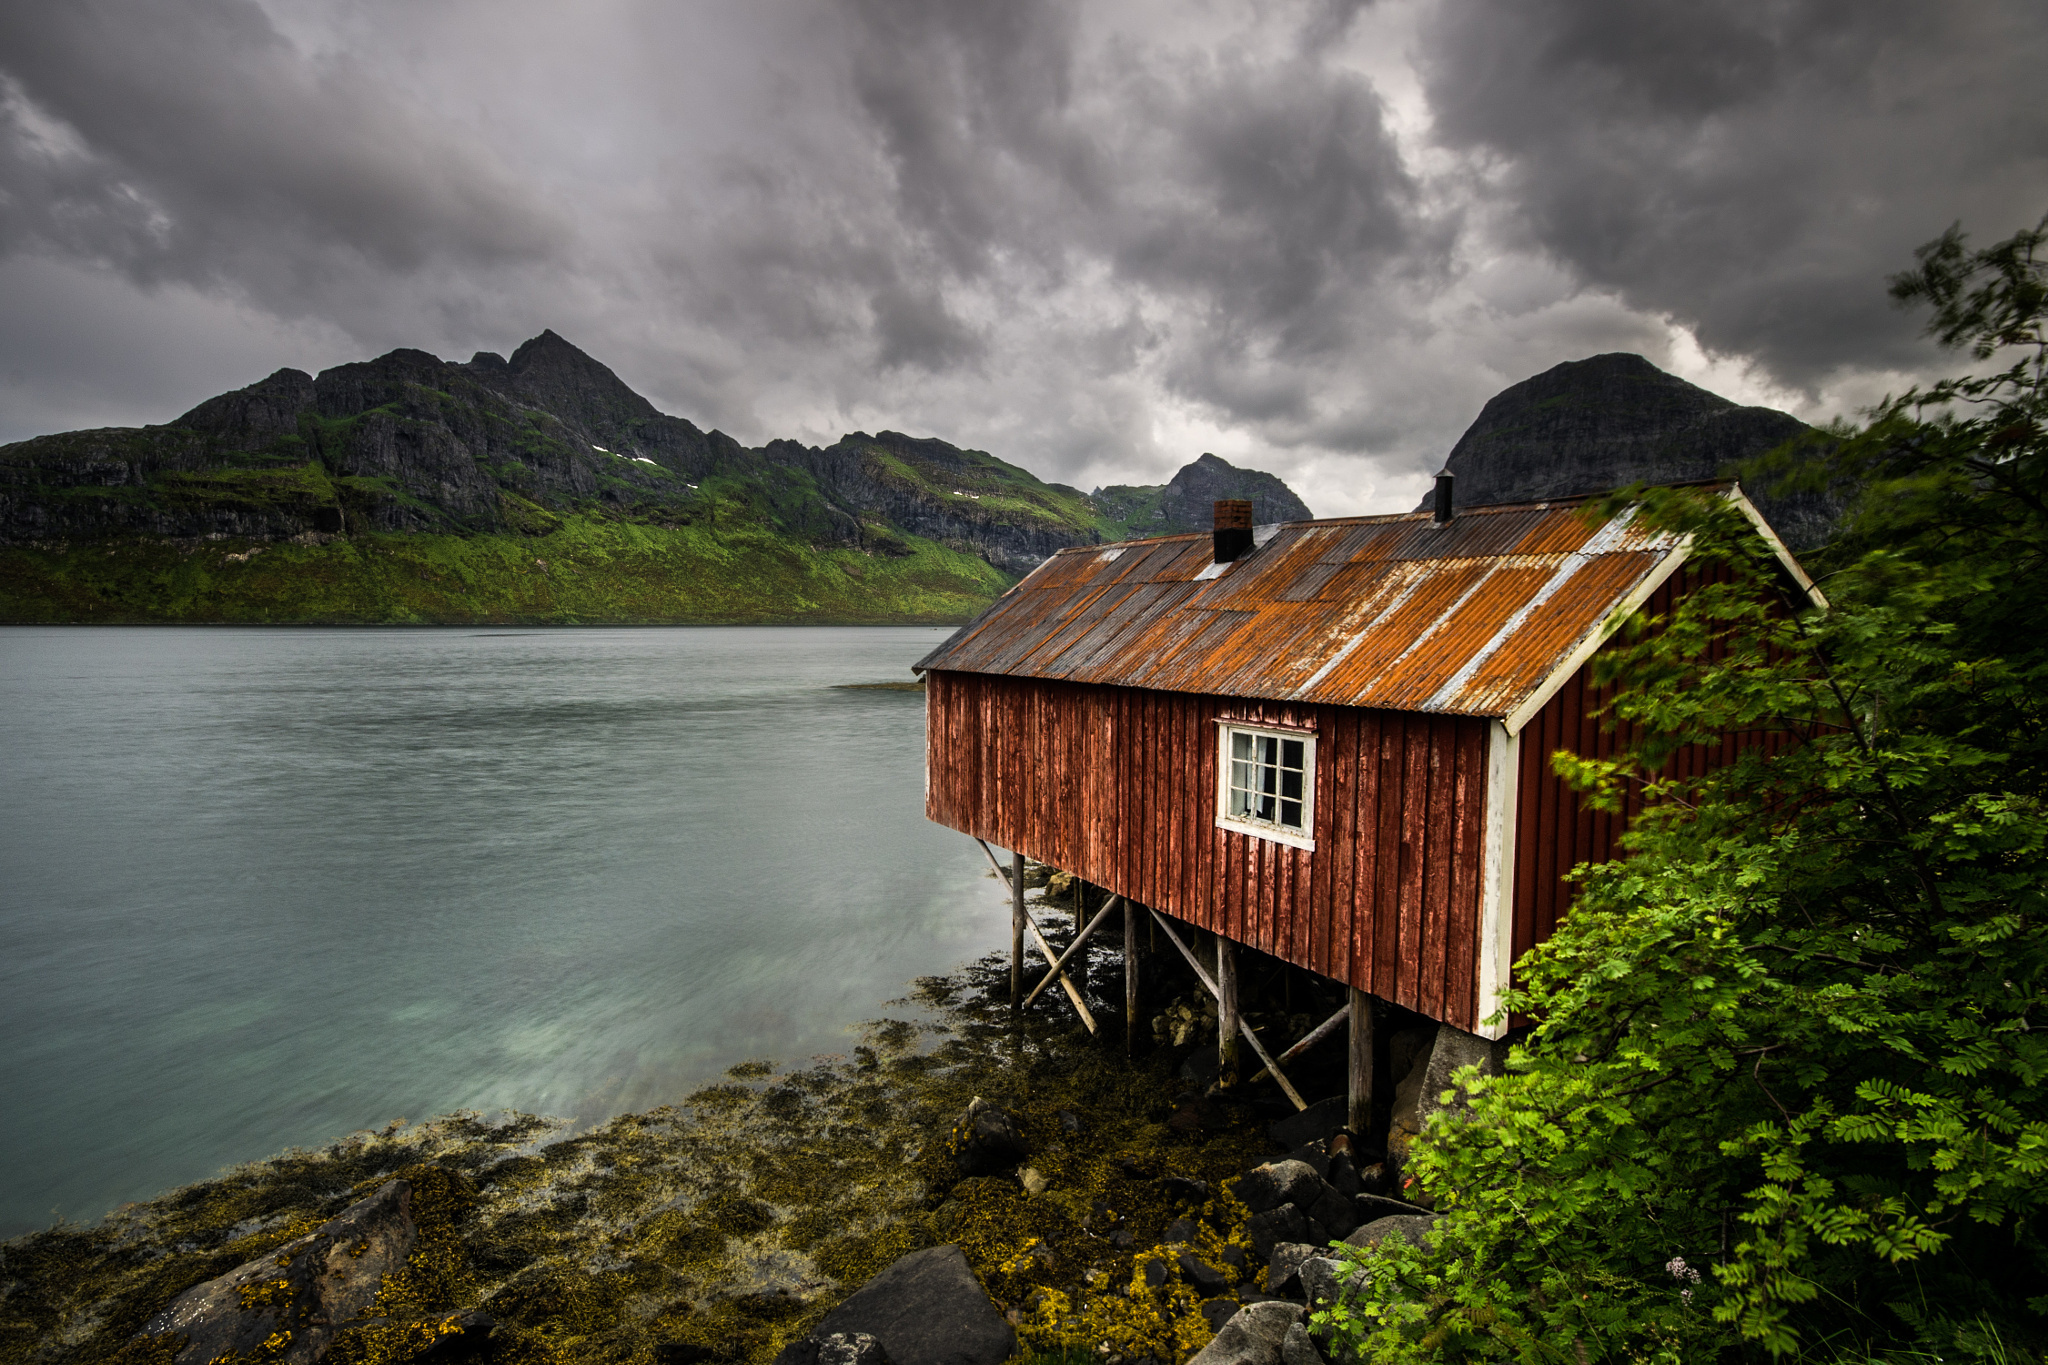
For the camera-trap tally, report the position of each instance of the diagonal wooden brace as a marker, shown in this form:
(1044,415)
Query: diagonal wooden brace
(1060,967)
(1279,1076)
(1321,1031)
(1080,1005)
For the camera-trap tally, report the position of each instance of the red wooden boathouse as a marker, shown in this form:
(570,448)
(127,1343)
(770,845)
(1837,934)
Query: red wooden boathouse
(1328,740)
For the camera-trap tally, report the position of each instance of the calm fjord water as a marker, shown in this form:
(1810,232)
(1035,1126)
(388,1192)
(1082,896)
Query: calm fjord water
(261,888)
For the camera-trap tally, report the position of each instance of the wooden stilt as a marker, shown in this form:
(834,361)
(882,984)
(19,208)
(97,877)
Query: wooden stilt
(1358,1115)
(1226,1012)
(1244,1029)
(1017,931)
(1321,1031)
(1059,967)
(1130,979)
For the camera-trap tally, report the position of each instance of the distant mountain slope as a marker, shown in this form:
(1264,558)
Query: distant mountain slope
(409,488)
(1611,420)
(1187,503)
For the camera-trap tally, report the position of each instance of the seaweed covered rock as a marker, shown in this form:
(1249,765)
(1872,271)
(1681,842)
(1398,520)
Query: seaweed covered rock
(837,1348)
(292,1301)
(925,1309)
(986,1140)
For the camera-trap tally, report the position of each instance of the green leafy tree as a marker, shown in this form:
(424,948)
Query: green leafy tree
(1787,1088)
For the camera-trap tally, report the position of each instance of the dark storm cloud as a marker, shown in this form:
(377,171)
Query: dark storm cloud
(1093,236)
(1257,196)
(186,139)
(1752,168)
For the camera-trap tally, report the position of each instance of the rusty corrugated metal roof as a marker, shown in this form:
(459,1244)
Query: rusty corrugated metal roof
(1469,618)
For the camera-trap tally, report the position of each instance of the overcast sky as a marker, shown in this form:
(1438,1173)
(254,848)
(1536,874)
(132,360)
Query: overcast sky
(1095,238)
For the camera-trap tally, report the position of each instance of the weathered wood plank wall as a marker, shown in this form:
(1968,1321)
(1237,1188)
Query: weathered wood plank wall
(1119,786)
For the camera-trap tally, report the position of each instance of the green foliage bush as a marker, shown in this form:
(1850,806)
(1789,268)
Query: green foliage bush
(1784,1093)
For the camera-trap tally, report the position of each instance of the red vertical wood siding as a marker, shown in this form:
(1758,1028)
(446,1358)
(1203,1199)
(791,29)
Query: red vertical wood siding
(1118,785)
(1555,831)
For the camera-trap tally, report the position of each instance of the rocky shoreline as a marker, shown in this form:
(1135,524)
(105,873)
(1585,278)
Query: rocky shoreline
(970,1168)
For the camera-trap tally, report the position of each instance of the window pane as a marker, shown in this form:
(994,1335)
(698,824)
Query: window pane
(1268,779)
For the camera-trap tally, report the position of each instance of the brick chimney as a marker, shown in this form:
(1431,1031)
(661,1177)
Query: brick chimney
(1441,512)
(1233,529)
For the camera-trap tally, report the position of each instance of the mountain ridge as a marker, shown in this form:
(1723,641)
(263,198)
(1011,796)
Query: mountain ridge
(547,444)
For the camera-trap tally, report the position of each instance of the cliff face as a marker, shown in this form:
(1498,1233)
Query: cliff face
(1611,420)
(964,499)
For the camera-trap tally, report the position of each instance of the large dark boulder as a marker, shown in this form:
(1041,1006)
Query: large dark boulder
(1421,1092)
(1313,1124)
(1611,420)
(309,1288)
(925,1309)
(1284,1267)
(1417,1229)
(1252,1337)
(1269,1229)
(1279,1182)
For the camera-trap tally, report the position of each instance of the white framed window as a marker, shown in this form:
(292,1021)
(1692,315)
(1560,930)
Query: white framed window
(1266,783)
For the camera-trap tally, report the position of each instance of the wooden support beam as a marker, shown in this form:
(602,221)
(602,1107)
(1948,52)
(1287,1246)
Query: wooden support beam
(1081,938)
(1358,1114)
(1227,1073)
(1279,1076)
(1320,1032)
(1080,1005)
(1130,979)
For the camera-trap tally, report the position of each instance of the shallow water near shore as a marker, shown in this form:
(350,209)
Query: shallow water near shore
(264,887)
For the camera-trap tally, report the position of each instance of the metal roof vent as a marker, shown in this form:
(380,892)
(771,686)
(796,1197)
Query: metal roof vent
(1233,529)
(1442,513)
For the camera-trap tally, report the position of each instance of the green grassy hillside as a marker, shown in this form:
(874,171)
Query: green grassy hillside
(591,568)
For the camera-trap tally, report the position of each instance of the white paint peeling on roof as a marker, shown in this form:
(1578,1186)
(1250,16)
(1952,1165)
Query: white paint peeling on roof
(1609,539)
(1359,637)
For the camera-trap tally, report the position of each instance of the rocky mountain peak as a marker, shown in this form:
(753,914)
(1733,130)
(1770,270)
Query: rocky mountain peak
(1612,420)
(549,372)
(1190,495)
